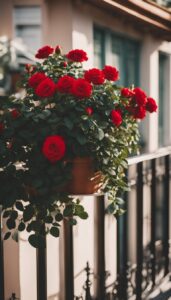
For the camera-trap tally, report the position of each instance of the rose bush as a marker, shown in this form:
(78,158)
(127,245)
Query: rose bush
(67,112)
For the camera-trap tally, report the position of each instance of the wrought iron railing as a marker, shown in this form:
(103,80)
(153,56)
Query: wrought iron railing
(136,278)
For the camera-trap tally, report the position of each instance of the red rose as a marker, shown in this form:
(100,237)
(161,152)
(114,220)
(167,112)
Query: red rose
(151,105)
(46,88)
(95,76)
(64,64)
(127,93)
(65,84)
(140,96)
(116,117)
(111,73)
(36,78)
(89,110)
(44,52)
(1,127)
(77,55)
(58,49)
(138,112)
(81,88)
(15,113)
(54,148)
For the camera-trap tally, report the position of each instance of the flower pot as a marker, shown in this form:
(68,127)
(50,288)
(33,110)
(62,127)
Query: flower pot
(84,179)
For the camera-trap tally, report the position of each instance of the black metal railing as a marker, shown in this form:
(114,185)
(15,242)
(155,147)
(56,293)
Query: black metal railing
(138,277)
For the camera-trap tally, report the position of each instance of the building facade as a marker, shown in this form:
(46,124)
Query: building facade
(133,36)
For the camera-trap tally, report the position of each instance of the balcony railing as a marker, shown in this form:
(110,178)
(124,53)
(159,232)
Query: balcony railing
(143,229)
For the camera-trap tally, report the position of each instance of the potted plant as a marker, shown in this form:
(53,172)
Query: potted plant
(69,120)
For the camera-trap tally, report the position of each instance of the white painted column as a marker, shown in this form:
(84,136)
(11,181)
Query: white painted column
(149,81)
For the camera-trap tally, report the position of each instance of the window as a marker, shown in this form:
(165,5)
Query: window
(99,48)
(27,25)
(118,51)
(163,95)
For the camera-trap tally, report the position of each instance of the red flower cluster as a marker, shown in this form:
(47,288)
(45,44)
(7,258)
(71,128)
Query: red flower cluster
(94,76)
(44,52)
(116,117)
(65,84)
(151,105)
(77,55)
(111,73)
(139,104)
(46,88)
(35,79)
(54,148)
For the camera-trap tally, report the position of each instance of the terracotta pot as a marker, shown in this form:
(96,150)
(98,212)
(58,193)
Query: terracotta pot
(84,179)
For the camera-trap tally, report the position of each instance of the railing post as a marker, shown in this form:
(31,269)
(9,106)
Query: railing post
(153,221)
(122,253)
(166,214)
(68,261)
(2,296)
(41,273)
(139,249)
(100,244)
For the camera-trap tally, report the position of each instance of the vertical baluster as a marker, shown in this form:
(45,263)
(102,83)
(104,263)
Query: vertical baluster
(166,215)
(88,283)
(69,261)
(41,273)
(153,220)
(100,244)
(139,231)
(1,260)
(122,253)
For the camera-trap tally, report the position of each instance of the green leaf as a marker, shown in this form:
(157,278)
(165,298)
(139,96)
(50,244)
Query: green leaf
(59,217)
(69,124)
(19,205)
(34,225)
(83,215)
(49,219)
(10,223)
(73,222)
(81,139)
(100,134)
(120,201)
(111,208)
(14,214)
(21,226)
(37,241)
(28,213)
(68,211)
(54,231)
(7,235)
(6,213)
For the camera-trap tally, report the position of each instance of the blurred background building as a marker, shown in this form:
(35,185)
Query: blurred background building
(132,35)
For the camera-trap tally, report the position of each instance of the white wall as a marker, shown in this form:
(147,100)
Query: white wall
(73,28)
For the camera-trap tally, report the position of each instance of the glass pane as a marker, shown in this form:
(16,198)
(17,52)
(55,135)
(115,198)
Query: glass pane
(27,15)
(27,25)
(162,63)
(30,35)
(117,57)
(131,63)
(98,48)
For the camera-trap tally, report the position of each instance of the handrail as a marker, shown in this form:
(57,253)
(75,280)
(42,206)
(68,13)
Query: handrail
(145,157)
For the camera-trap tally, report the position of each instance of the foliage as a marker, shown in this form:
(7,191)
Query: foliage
(97,120)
